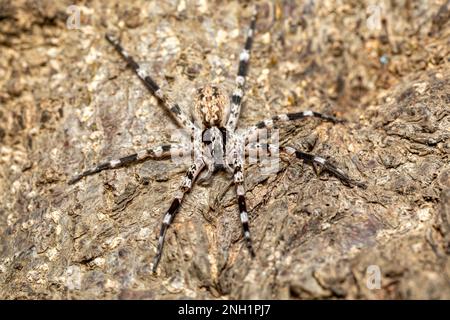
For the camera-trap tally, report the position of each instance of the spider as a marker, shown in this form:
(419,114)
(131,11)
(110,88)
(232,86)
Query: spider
(217,145)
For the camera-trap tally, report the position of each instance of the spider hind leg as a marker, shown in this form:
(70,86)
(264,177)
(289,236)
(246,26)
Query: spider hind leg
(243,213)
(321,164)
(185,187)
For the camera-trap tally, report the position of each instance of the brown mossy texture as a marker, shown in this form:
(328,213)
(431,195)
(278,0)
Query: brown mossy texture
(68,101)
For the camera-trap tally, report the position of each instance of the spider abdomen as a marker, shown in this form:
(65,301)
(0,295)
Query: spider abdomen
(211,106)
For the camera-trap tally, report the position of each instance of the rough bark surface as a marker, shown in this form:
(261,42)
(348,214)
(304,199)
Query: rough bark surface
(68,101)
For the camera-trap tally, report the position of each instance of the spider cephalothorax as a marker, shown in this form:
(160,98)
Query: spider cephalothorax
(216,145)
(211,106)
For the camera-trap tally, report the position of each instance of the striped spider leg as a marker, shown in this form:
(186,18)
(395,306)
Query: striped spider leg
(319,163)
(240,192)
(164,151)
(252,132)
(235,163)
(152,86)
(185,186)
(238,92)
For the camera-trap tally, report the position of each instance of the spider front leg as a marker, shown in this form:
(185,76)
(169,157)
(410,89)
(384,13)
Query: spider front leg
(152,86)
(156,153)
(186,185)
(238,92)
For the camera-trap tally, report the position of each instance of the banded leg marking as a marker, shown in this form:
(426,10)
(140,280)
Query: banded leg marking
(323,163)
(286,117)
(238,92)
(186,185)
(157,153)
(295,116)
(240,192)
(151,85)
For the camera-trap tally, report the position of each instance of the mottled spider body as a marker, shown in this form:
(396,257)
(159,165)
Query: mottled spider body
(211,107)
(216,143)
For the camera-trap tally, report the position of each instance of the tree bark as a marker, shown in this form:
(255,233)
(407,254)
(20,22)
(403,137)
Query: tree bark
(68,101)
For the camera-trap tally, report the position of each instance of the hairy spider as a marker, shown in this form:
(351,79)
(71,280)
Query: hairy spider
(216,143)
